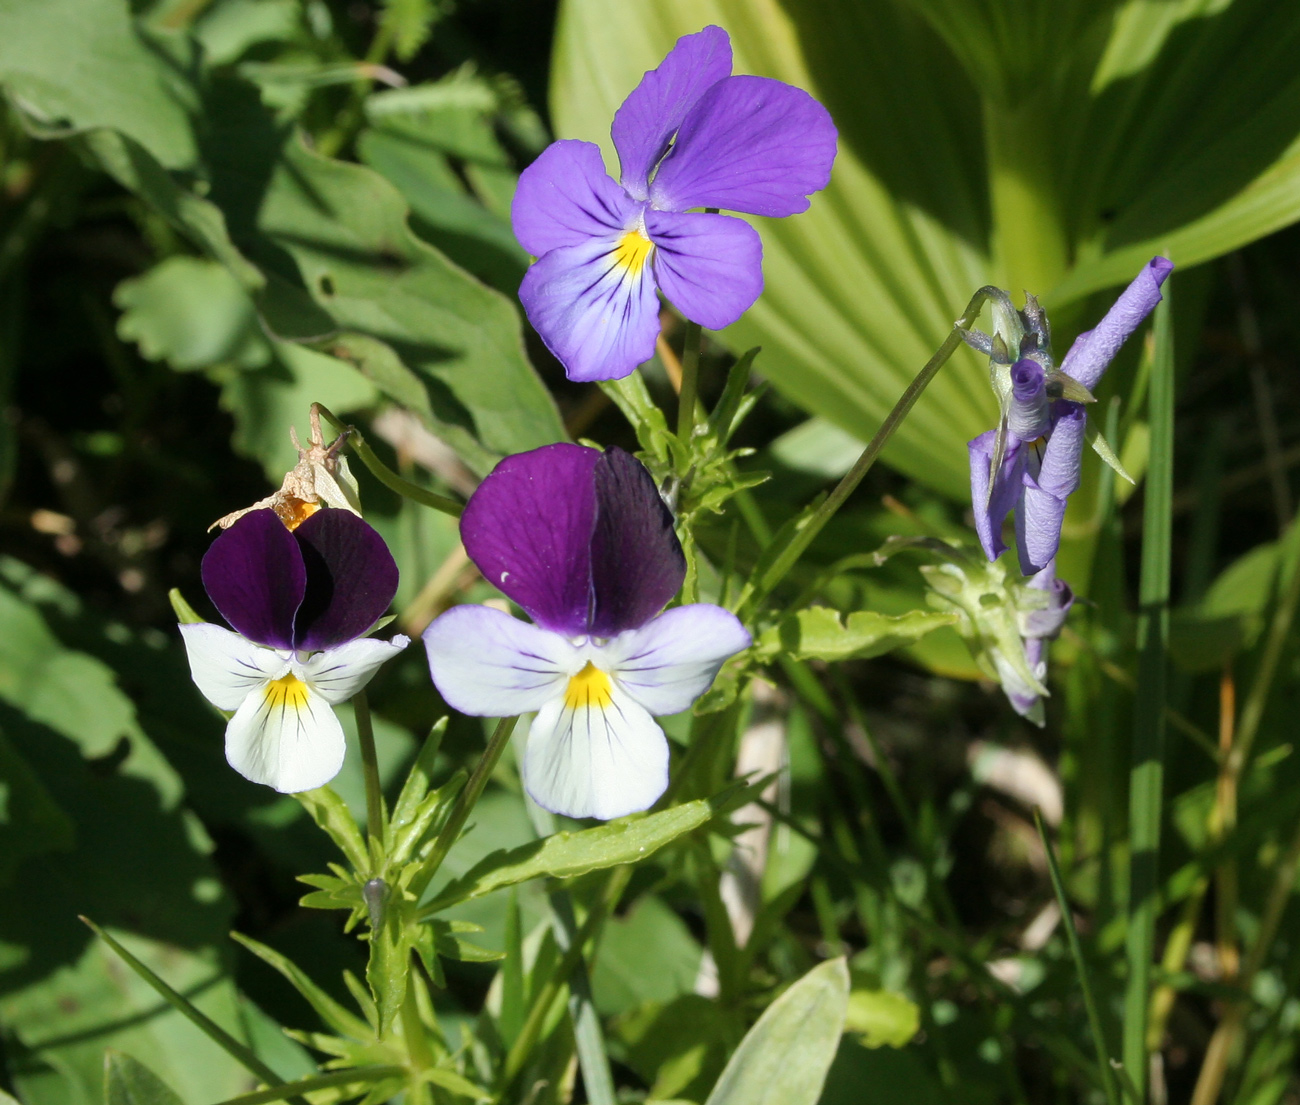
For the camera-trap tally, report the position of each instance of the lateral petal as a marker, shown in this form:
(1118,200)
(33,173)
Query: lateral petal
(287,737)
(601,761)
(338,673)
(565,198)
(254,574)
(991,511)
(226,667)
(750,144)
(351,579)
(710,267)
(487,664)
(595,307)
(669,662)
(650,116)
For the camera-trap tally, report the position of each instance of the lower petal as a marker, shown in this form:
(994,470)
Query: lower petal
(338,673)
(1038,529)
(487,664)
(672,660)
(285,736)
(709,266)
(600,761)
(595,307)
(226,666)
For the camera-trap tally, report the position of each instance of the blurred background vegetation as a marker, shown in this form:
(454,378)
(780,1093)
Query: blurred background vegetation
(215,212)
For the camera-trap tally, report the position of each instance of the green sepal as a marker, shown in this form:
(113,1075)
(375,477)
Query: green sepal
(185,613)
(1102,448)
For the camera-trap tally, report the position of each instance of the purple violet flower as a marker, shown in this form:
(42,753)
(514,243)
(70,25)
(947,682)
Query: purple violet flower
(690,135)
(581,540)
(1044,435)
(300,603)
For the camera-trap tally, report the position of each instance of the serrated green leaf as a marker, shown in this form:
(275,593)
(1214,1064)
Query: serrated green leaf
(455,1083)
(449,942)
(129,1082)
(784,1058)
(328,810)
(882,1018)
(567,855)
(818,633)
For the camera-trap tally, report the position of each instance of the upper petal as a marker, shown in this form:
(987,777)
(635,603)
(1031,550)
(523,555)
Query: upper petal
(351,579)
(528,527)
(487,664)
(668,663)
(593,760)
(338,673)
(651,114)
(1094,349)
(992,510)
(637,563)
(710,267)
(749,144)
(565,197)
(594,305)
(226,667)
(254,574)
(286,736)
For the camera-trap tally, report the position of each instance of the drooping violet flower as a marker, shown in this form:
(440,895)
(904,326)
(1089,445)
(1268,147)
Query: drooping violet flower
(1037,449)
(581,540)
(690,135)
(1039,623)
(299,603)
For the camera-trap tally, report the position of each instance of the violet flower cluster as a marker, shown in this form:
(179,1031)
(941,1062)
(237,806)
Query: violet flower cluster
(690,135)
(583,543)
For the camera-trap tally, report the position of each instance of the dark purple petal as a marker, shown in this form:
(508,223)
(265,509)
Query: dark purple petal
(528,527)
(637,563)
(1042,507)
(1094,349)
(1029,413)
(710,267)
(351,579)
(565,197)
(598,314)
(650,116)
(254,575)
(991,511)
(749,144)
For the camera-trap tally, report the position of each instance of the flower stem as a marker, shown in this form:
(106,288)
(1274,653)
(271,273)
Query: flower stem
(369,767)
(776,562)
(383,473)
(464,804)
(690,384)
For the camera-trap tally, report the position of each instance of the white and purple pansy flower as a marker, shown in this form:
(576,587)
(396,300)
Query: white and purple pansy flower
(1040,457)
(300,603)
(581,540)
(690,135)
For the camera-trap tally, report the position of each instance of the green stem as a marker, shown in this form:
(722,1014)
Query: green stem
(386,475)
(465,802)
(370,768)
(1076,951)
(690,384)
(1146,779)
(588,1038)
(356,1076)
(767,577)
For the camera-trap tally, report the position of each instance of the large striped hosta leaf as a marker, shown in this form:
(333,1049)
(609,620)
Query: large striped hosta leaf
(1053,145)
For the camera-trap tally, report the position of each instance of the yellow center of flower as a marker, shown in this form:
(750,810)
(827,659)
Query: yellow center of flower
(286,692)
(590,687)
(293,511)
(633,250)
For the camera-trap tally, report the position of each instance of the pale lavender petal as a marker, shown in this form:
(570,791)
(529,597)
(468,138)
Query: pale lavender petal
(351,579)
(596,313)
(1042,507)
(637,563)
(669,662)
(1094,349)
(565,197)
(254,574)
(991,511)
(710,267)
(1027,703)
(645,124)
(1048,621)
(528,527)
(1029,413)
(487,664)
(749,144)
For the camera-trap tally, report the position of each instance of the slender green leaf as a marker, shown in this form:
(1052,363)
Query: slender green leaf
(358,1076)
(330,812)
(127,1081)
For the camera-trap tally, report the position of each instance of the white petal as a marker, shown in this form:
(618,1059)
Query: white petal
(226,666)
(338,673)
(488,664)
(672,659)
(285,737)
(595,761)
